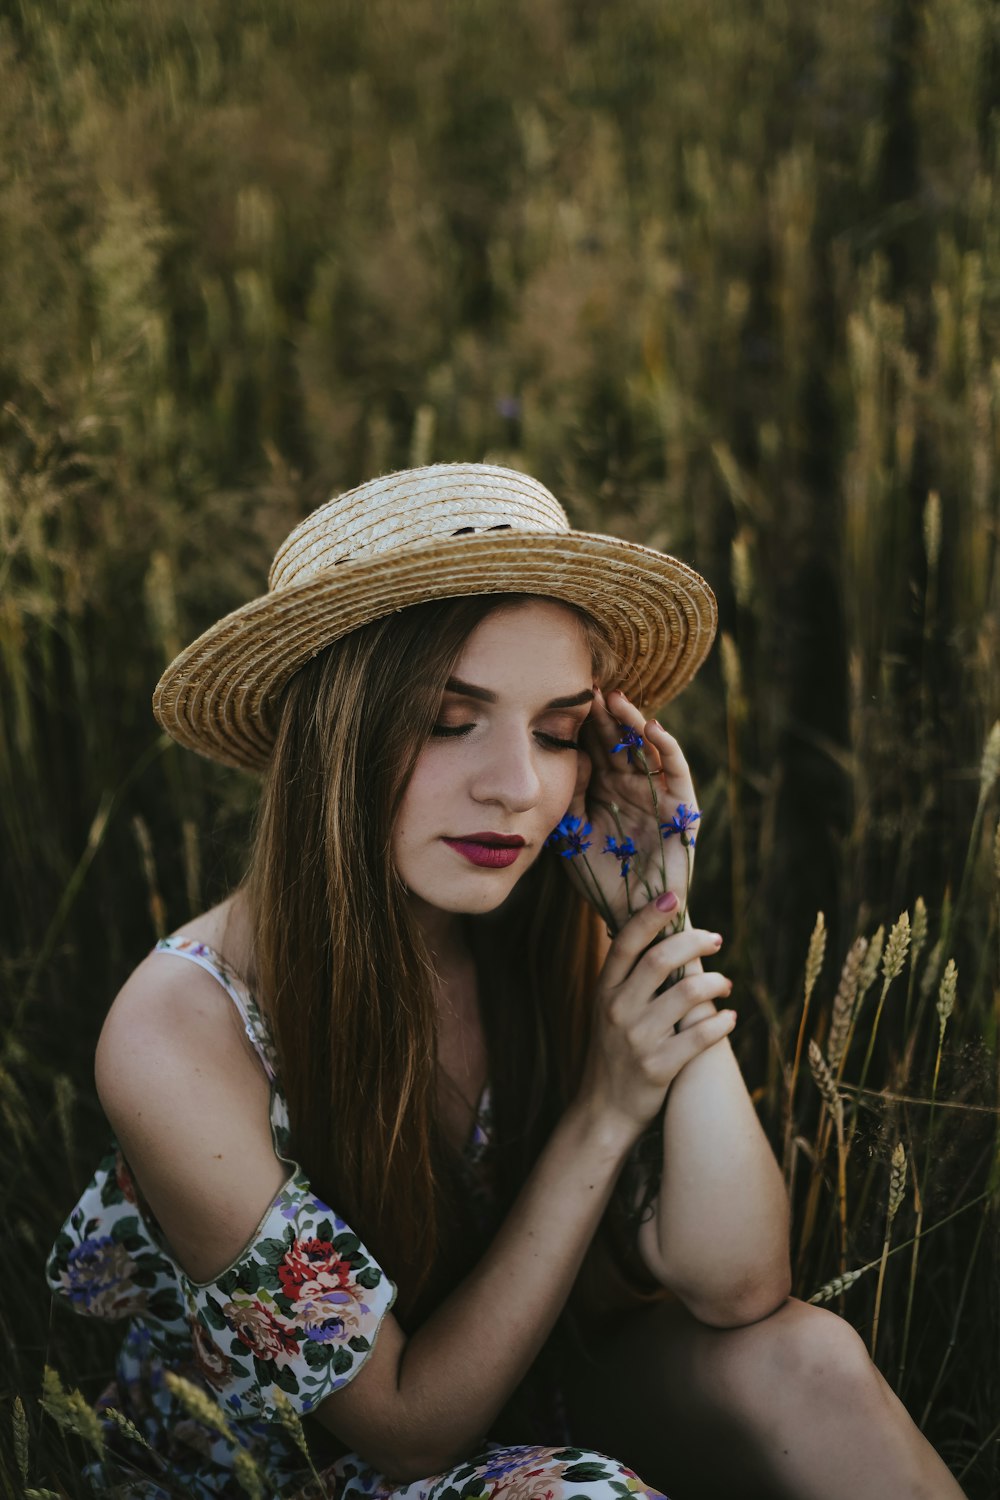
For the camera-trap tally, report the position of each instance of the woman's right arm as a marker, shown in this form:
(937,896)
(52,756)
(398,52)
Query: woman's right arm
(188,1103)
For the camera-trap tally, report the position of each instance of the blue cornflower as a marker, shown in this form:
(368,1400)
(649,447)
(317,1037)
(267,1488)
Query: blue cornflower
(624,851)
(573,831)
(631,740)
(681,821)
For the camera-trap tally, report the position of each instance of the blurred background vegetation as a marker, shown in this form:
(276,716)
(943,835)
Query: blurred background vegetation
(727,280)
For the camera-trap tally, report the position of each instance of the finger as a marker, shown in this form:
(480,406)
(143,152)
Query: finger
(691,994)
(628,714)
(604,724)
(679,1049)
(639,990)
(636,934)
(667,748)
(670,954)
(658,1015)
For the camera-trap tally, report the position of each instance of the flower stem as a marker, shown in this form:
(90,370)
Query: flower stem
(656,811)
(602,905)
(612,808)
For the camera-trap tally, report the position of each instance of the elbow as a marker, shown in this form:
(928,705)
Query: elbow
(752,1305)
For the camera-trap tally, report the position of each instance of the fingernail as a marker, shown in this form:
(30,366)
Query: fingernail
(667,901)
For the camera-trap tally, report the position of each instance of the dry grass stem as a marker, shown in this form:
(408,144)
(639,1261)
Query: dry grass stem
(814,963)
(741,568)
(990,766)
(932,530)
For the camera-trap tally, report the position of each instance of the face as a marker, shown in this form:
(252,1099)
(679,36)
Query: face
(506,766)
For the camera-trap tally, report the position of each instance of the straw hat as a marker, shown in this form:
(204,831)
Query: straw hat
(417,534)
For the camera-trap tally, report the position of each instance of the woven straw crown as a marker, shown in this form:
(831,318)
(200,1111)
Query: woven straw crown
(367,519)
(428,533)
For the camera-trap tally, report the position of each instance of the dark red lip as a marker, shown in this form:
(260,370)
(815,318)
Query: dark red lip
(488,856)
(504,840)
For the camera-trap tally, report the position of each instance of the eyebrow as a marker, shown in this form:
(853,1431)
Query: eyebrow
(469,690)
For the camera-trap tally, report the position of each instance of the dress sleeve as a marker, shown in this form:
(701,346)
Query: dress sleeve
(297,1312)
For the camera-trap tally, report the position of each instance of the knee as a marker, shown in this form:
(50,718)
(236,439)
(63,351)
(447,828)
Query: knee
(799,1348)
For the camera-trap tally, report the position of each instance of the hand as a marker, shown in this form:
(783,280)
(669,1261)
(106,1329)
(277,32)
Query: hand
(634,1052)
(615,776)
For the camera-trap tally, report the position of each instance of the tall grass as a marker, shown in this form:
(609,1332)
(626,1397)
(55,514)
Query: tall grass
(727,281)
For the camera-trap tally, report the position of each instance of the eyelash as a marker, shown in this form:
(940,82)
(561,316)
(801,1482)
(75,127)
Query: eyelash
(443,730)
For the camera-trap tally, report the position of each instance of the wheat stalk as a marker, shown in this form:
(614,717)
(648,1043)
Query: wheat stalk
(843,1003)
(292,1423)
(897,1184)
(128,1428)
(892,965)
(831,1289)
(989,767)
(71,1411)
(198,1403)
(869,968)
(828,1088)
(249,1475)
(918,941)
(20,1424)
(814,963)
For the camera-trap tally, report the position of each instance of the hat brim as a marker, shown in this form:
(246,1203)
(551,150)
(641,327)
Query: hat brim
(218,696)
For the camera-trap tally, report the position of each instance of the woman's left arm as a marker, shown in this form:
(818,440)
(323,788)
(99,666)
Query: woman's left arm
(720,1233)
(720,1228)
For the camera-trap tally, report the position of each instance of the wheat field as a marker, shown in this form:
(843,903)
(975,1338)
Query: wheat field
(727,280)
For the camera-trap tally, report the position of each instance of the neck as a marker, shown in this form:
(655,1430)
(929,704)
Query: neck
(445,935)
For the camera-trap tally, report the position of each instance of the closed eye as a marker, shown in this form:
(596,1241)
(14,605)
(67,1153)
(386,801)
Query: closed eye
(442,730)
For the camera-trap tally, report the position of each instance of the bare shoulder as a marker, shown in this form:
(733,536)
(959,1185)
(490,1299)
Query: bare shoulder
(188,1101)
(178,1011)
(170,1014)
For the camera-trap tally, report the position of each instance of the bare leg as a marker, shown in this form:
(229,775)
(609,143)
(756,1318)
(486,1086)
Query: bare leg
(789,1408)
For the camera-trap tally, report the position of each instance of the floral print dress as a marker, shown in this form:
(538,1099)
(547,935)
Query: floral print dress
(288,1322)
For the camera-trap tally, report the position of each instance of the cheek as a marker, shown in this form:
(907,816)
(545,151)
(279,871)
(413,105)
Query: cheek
(568,778)
(423,798)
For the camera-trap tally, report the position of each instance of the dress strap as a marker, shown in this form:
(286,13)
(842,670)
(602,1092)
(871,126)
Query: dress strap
(253,1022)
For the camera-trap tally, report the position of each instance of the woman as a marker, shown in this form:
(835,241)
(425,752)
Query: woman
(391,1152)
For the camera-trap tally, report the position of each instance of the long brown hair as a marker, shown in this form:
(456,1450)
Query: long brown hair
(345,978)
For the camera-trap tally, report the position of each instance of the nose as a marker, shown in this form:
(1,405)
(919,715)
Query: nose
(508,771)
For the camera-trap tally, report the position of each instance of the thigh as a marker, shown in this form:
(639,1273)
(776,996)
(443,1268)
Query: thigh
(661,1391)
